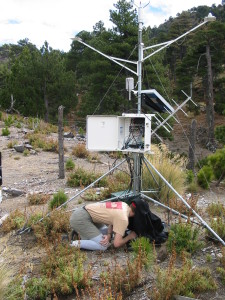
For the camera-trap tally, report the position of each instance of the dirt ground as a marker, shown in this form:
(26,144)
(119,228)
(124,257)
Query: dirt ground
(38,172)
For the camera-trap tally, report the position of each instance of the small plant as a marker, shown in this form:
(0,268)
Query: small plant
(221,268)
(81,177)
(40,141)
(205,176)
(208,258)
(5,131)
(218,225)
(4,280)
(18,125)
(80,151)
(51,228)
(190,176)
(184,281)
(14,221)
(220,134)
(216,210)
(183,237)
(36,198)
(11,144)
(58,199)
(15,289)
(70,165)
(16,158)
(143,246)
(9,121)
(26,152)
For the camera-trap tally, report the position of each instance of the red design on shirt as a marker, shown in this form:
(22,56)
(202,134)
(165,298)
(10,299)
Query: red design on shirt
(114,205)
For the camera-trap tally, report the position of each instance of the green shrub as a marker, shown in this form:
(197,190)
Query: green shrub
(26,152)
(217,163)
(216,210)
(9,121)
(220,134)
(38,288)
(183,237)
(217,225)
(70,165)
(5,131)
(15,220)
(15,289)
(205,176)
(4,280)
(58,199)
(190,176)
(184,281)
(142,245)
(81,177)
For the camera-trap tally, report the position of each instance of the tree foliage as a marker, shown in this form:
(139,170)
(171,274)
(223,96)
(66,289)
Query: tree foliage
(42,79)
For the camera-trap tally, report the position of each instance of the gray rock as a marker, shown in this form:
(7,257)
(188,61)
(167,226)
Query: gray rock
(19,148)
(13,192)
(68,135)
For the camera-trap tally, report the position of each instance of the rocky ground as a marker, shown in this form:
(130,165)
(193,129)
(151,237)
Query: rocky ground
(38,172)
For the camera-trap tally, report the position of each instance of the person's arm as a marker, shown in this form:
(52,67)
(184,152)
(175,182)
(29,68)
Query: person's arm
(120,241)
(106,238)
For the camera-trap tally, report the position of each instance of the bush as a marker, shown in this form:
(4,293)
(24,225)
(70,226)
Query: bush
(205,176)
(142,245)
(217,225)
(80,151)
(58,199)
(9,121)
(80,177)
(183,237)
(217,163)
(190,176)
(40,141)
(36,199)
(70,165)
(216,210)
(185,281)
(4,280)
(220,134)
(5,131)
(15,290)
(15,220)
(171,167)
(51,227)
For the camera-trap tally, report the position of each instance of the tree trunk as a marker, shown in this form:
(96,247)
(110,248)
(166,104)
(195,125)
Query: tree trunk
(191,164)
(46,103)
(209,103)
(60,142)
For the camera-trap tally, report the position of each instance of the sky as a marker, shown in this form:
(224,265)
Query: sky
(57,21)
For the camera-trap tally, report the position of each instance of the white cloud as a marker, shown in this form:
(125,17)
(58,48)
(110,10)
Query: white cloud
(58,20)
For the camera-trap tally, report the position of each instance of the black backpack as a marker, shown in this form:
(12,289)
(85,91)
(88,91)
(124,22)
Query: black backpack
(145,223)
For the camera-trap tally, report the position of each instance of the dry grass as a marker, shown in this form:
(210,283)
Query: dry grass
(80,151)
(4,280)
(172,169)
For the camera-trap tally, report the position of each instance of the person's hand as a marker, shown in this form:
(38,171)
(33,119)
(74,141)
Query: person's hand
(105,240)
(132,235)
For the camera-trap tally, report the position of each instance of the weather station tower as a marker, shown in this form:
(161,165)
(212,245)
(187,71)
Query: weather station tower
(132,133)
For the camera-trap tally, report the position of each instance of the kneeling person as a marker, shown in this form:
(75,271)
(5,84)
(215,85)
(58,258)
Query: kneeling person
(89,222)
